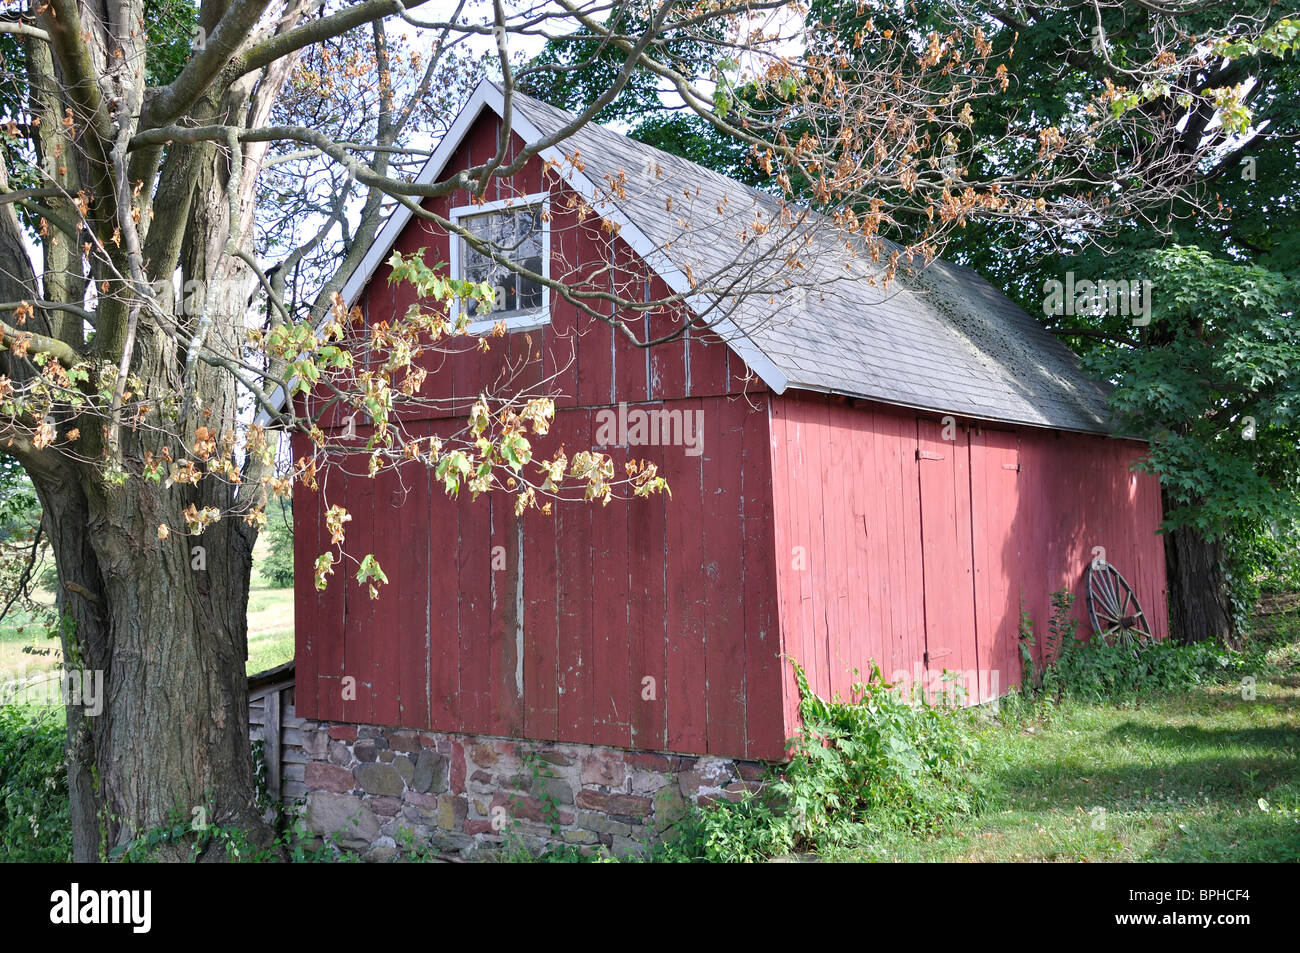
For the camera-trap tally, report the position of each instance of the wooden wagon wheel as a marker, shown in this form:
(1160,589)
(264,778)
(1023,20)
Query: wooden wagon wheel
(1114,610)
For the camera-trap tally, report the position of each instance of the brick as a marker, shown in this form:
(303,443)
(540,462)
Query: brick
(385,806)
(404,767)
(626,847)
(365,749)
(691,782)
(379,779)
(457,760)
(669,807)
(423,816)
(343,815)
(400,740)
(603,771)
(452,811)
(430,772)
(558,758)
(628,804)
(427,801)
(559,789)
(346,733)
(658,762)
(602,824)
(340,754)
(648,782)
(319,776)
(521,807)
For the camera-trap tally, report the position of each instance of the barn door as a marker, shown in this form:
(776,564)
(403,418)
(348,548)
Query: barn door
(943,462)
(995,495)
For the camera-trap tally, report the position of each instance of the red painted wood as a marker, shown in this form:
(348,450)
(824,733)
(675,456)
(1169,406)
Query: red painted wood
(474,621)
(385,646)
(306,601)
(723,551)
(541,612)
(411,571)
(646,616)
(945,549)
(506,592)
(800,534)
(995,494)
(611,707)
(684,689)
(331,618)
(764,722)
(574,570)
(359,610)
(446,701)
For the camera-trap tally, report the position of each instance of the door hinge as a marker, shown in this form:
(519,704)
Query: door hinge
(1011,466)
(927,455)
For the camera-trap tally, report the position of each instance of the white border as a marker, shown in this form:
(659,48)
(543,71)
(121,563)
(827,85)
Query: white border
(515,321)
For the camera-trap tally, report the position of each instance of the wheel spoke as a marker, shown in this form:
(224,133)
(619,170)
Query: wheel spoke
(1114,610)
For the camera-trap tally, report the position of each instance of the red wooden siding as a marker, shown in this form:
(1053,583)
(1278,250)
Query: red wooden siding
(893,543)
(838,533)
(679,591)
(597,598)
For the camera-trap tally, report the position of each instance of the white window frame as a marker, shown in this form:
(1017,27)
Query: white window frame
(523,321)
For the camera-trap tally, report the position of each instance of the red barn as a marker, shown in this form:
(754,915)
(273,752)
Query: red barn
(876,475)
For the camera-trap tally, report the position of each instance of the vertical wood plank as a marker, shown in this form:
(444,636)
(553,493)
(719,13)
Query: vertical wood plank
(307,518)
(271,727)
(683,690)
(723,549)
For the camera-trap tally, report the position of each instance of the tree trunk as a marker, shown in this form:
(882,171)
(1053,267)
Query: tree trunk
(168,640)
(1200,609)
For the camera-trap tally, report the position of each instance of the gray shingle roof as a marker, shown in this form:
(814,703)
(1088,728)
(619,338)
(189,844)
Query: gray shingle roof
(941,339)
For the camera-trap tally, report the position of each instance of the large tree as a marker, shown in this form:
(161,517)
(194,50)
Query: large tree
(166,187)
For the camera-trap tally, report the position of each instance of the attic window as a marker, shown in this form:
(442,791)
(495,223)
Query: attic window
(513,229)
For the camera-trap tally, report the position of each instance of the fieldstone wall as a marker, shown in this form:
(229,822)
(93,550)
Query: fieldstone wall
(365,786)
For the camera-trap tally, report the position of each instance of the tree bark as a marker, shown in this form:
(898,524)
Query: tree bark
(169,641)
(1200,609)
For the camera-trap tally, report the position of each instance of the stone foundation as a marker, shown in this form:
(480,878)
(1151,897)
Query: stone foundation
(368,788)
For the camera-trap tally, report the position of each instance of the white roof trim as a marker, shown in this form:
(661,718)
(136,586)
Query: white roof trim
(489,95)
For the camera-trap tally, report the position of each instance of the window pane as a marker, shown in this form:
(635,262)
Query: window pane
(515,234)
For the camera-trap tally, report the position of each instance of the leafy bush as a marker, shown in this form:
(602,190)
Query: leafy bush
(872,764)
(34,824)
(1095,670)
(277,567)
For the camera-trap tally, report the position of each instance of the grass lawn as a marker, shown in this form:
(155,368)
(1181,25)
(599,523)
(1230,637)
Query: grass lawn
(270,618)
(270,631)
(1200,775)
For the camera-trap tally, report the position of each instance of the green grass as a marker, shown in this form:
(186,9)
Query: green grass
(1199,775)
(270,631)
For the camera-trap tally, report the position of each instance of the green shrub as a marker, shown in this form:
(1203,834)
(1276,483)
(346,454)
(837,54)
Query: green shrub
(872,764)
(277,567)
(34,824)
(1095,670)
